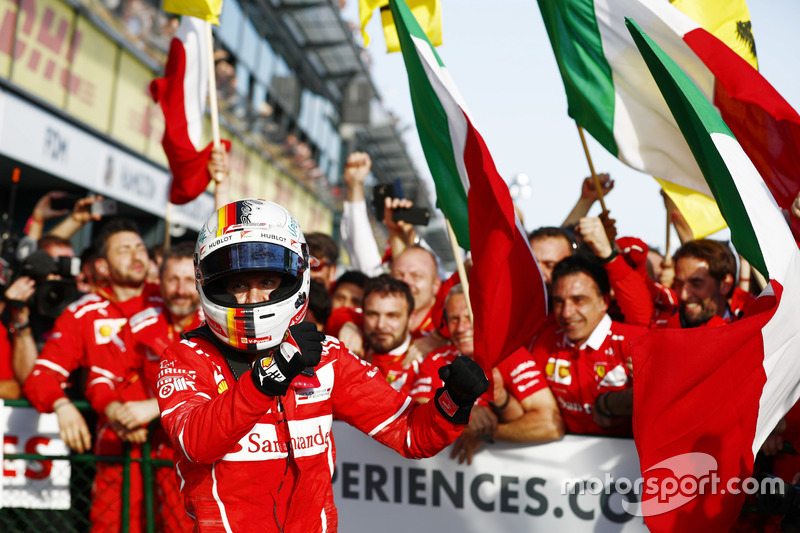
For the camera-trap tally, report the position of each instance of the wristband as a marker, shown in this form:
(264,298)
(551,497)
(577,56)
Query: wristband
(610,258)
(498,408)
(31,221)
(17,328)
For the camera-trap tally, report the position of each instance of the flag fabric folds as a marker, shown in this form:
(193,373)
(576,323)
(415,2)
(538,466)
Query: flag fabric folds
(182,94)
(699,211)
(705,399)
(729,21)
(612,95)
(208,10)
(428,14)
(506,288)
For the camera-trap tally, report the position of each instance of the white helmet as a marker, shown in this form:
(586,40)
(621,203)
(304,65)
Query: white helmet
(252,235)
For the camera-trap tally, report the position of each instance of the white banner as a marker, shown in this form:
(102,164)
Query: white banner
(507,487)
(54,145)
(33,484)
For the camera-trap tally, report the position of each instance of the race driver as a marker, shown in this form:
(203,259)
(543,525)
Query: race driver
(249,398)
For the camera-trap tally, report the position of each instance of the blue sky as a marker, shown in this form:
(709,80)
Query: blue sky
(501,60)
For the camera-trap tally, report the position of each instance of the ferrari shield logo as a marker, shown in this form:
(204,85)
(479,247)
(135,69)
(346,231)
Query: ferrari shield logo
(600,370)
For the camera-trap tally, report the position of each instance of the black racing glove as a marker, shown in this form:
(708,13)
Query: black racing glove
(301,347)
(464,382)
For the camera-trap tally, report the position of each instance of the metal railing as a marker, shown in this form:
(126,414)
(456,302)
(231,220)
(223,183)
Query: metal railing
(83,467)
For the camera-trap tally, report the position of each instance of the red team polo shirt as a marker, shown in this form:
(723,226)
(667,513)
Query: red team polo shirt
(520,374)
(577,375)
(400,376)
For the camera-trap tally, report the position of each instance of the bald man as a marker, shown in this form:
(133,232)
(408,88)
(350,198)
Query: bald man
(417,267)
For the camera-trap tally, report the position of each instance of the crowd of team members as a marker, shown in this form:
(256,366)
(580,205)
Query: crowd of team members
(397,311)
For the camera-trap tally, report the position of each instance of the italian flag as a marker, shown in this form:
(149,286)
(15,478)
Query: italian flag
(705,399)
(506,289)
(182,94)
(610,91)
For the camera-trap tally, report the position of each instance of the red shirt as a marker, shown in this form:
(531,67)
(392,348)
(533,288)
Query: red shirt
(520,374)
(427,380)
(577,375)
(6,370)
(87,330)
(630,291)
(426,327)
(400,376)
(342,315)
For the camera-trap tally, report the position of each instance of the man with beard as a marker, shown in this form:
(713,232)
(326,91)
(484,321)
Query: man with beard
(705,276)
(87,333)
(388,305)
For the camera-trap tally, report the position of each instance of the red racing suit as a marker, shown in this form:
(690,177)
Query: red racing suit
(252,462)
(577,375)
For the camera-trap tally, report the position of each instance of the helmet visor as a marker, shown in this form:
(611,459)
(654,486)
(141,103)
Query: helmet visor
(250,256)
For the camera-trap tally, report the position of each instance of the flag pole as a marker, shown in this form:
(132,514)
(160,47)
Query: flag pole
(167,217)
(462,272)
(595,177)
(212,93)
(669,227)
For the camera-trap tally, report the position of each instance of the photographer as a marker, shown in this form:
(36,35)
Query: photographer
(44,288)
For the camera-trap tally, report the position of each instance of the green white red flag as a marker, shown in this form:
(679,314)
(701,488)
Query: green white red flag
(182,94)
(612,95)
(506,289)
(705,399)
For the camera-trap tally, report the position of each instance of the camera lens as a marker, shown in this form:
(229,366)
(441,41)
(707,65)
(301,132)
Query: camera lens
(53,296)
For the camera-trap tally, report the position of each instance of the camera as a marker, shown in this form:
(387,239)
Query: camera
(419,216)
(51,296)
(13,253)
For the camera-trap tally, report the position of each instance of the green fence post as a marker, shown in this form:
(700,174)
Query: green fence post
(126,487)
(147,479)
